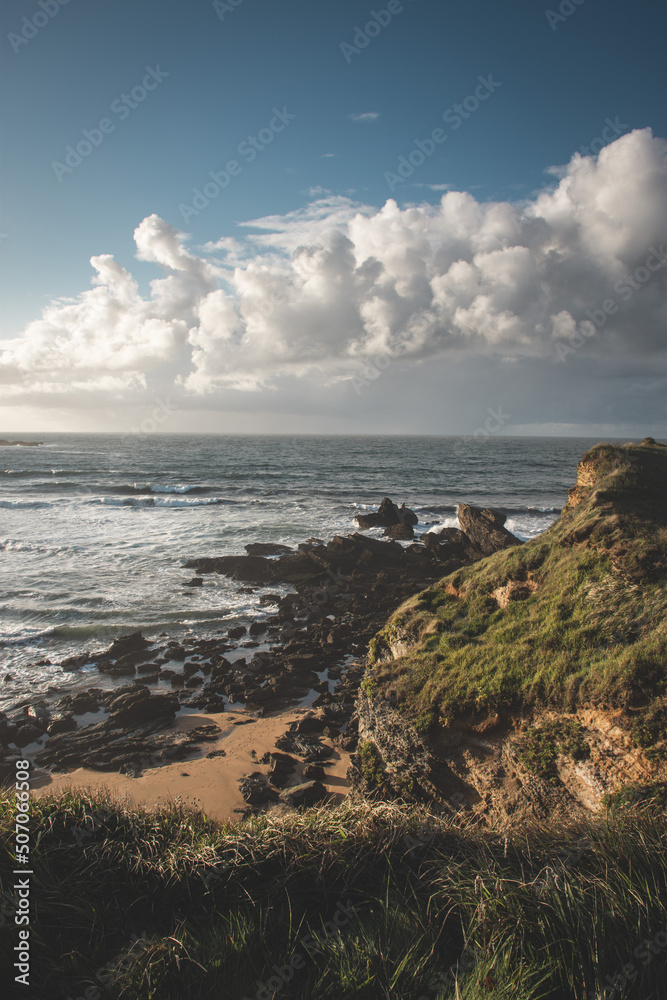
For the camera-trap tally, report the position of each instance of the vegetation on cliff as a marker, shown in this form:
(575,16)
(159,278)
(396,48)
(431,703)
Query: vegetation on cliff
(576,616)
(356,902)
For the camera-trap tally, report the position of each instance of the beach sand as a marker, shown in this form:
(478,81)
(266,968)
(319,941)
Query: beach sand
(209,784)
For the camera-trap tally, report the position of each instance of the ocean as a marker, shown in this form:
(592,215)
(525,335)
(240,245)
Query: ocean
(94,528)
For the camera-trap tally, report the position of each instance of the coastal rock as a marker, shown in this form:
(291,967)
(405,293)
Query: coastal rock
(256,791)
(307,794)
(400,532)
(62,724)
(126,644)
(267,549)
(387,514)
(484,528)
(136,705)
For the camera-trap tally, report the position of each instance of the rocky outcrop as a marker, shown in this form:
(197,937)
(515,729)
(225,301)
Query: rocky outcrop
(530,685)
(484,528)
(387,515)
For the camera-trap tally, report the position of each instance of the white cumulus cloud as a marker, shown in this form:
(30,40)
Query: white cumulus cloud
(311,293)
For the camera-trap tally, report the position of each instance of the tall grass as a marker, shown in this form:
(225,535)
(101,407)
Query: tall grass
(427,906)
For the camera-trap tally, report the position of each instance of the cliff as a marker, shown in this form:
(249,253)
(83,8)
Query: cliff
(531,684)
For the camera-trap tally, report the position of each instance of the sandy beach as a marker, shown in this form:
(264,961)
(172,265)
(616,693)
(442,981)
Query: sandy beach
(207,783)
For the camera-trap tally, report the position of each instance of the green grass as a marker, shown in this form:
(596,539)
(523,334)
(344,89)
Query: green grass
(435,909)
(593,628)
(539,748)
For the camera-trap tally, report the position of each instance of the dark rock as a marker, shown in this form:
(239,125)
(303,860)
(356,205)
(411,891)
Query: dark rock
(61,724)
(84,701)
(309,748)
(313,772)
(256,791)
(196,581)
(307,794)
(137,705)
(28,733)
(216,753)
(127,644)
(258,628)
(400,532)
(267,549)
(282,767)
(72,663)
(237,631)
(485,529)
(387,515)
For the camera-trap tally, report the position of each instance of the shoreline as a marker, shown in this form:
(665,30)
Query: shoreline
(203,783)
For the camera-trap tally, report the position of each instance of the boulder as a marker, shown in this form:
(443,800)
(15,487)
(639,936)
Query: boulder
(282,768)
(387,514)
(256,791)
(126,644)
(485,529)
(61,724)
(400,532)
(136,705)
(306,794)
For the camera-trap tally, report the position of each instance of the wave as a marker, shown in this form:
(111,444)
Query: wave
(149,488)
(157,501)
(24,504)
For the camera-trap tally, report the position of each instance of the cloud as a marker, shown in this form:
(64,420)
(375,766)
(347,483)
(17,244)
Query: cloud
(309,295)
(366,116)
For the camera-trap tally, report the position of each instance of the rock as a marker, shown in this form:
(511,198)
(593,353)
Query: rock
(61,724)
(407,516)
(313,772)
(384,517)
(309,723)
(256,791)
(126,644)
(72,663)
(387,515)
(282,767)
(400,532)
(84,701)
(258,628)
(307,794)
(309,748)
(267,549)
(485,529)
(136,705)
(196,581)
(237,632)
(28,733)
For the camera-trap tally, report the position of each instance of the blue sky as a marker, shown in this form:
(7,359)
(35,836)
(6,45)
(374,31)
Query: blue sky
(561,80)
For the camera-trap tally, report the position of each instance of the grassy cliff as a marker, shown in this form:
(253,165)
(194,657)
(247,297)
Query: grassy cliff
(576,617)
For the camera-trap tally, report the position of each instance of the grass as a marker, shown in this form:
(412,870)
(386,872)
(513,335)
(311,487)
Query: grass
(426,907)
(590,625)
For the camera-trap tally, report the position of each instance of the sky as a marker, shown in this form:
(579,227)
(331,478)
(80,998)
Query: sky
(418,217)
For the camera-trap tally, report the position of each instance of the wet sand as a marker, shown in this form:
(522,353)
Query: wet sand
(209,784)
